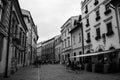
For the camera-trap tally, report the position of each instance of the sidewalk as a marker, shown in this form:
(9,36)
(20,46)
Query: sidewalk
(25,73)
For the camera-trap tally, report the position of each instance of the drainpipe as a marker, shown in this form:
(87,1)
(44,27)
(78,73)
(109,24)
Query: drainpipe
(8,43)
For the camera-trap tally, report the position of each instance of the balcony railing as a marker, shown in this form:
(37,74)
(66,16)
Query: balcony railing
(96,2)
(109,33)
(88,40)
(107,12)
(97,18)
(98,37)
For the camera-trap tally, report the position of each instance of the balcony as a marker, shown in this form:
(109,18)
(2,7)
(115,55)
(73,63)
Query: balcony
(98,37)
(107,12)
(86,11)
(88,40)
(109,33)
(87,24)
(97,18)
(96,2)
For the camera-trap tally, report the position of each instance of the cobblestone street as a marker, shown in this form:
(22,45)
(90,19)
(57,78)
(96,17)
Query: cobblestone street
(58,72)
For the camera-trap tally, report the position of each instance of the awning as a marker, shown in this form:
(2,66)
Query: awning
(95,53)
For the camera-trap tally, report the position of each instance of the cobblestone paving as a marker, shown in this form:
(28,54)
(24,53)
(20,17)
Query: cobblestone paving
(59,72)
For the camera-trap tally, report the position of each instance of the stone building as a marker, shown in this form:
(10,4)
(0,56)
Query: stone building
(39,50)
(58,48)
(32,37)
(66,38)
(48,51)
(101,35)
(77,40)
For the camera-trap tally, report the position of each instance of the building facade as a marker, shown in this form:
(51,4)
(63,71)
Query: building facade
(4,26)
(17,39)
(32,37)
(101,33)
(13,37)
(48,51)
(39,51)
(77,40)
(58,49)
(66,38)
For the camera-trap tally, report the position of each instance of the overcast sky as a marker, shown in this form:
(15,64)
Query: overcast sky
(50,15)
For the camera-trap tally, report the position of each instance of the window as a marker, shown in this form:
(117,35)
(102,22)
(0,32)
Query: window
(80,59)
(65,43)
(86,7)
(79,37)
(98,35)
(1,8)
(87,22)
(1,46)
(88,38)
(108,10)
(97,15)
(74,39)
(96,2)
(109,29)
(75,55)
(68,41)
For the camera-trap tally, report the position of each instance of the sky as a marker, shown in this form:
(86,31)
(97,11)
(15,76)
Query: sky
(50,15)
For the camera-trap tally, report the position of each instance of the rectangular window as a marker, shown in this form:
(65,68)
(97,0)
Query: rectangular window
(97,13)
(65,43)
(88,36)
(79,37)
(74,39)
(80,59)
(98,32)
(87,22)
(86,7)
(109,27)
(107,6)
(75,55)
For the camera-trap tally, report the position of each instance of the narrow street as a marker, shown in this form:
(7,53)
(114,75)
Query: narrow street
(59,72)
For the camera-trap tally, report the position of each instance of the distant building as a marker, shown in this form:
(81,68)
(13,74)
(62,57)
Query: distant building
(58,48)
(39,50)
(66,38)
(48,51)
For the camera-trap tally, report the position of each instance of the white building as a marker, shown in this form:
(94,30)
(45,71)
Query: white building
(66,37)
(58,48)
(101,31)
(77,40)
